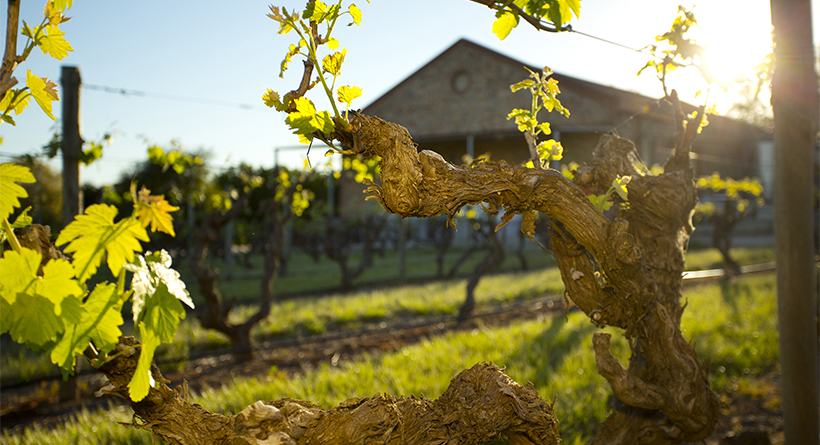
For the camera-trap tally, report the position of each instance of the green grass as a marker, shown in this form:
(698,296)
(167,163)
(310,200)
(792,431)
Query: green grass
(315,315)
(308,276)
(701,259)
(732,324)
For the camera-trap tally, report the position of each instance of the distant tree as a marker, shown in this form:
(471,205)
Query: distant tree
(442,236)
(344,236)
(738,200)
(45,196)
(485,230)
(182,177)
(281,196)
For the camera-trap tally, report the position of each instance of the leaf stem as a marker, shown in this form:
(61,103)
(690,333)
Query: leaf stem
(15,243)
(312,42)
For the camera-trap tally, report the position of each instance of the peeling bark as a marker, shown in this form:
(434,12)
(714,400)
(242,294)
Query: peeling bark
(480,404)
(624,272)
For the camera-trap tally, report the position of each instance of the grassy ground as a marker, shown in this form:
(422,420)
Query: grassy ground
(732,325)
(318,314)
(308,276)
(314,315)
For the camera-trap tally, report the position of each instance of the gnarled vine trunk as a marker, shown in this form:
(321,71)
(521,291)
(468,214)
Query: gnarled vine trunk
(480,404)
(624,272)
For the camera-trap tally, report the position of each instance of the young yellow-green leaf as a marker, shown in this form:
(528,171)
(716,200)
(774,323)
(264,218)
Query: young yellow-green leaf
(524,119)
(601,202)
(142,381)
(155,210)
(157,155)
(284,19)
(305,120)
(619,184)
(33,321)
(356,13)
(43,92)
(91,152)
(94,234)
(5,316)
(552,87)
(150,272)
(53,15)
(35,303)
(54,44)
(10,191)
(19,104)
(61,5)
(348,93)
(271,99)
(550,150)
(100,319)
(526,83)
(504,24)
(22,220)
(17,273)
(332,43)
(162,314)
(58,283)
(332,63)
(315,11)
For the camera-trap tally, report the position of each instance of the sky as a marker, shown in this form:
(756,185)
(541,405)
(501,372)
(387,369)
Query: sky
(195,72)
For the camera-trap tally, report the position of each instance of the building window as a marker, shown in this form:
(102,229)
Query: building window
(461,81)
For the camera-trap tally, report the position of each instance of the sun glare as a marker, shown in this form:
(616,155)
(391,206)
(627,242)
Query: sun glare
(737,39)
(730,60)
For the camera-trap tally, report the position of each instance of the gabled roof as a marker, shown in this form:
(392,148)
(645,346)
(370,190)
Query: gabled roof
(594,88)
(427,105)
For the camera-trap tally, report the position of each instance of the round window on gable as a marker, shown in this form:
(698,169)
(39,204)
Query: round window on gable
(461,81)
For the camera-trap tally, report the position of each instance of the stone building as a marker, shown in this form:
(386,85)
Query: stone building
(457,104)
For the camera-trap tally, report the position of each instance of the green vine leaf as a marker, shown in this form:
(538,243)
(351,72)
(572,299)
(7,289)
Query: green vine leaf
(150,272)
(305,120)
(332,63)
(316,11)
(504,23)
(94,234)
(44,92)
(619,185)
(601,202)
(142,381)
(33,322)
(54,44)
(356,13)
(154,211)
(348,93)
(550,150)
(10,191)
(271,99)
(161,317)
(20,98)
(99,321)
(37,305)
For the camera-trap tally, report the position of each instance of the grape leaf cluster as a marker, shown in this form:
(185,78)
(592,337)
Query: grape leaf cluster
(51,40)
(50,304)
(314,27)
